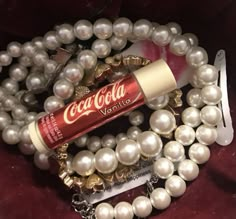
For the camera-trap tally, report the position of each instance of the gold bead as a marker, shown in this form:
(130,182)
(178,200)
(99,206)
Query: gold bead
(62,174)
(132,60)
(122,173)
(62,156)
(68,181)
(175,98)
(79,183)
(81,91)
(108,178)
(102,71)
(95,183)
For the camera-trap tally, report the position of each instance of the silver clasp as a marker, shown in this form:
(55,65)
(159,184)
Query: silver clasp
(82,206)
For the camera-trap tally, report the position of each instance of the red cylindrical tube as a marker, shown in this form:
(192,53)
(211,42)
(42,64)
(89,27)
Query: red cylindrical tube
(101,106)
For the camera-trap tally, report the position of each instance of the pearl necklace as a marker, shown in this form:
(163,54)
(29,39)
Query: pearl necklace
(33,58)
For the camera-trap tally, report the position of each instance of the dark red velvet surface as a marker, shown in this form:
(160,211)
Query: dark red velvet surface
(26,192)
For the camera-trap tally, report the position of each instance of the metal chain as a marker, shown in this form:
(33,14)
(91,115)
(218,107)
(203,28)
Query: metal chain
(82,206)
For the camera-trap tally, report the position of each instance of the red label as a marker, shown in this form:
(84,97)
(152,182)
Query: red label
(92,111)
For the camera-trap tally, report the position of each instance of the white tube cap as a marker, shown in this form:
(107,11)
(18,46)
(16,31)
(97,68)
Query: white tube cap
(155,79)
(36,138)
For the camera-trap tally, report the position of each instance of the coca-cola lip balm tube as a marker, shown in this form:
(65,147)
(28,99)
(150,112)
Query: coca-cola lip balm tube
(101,106)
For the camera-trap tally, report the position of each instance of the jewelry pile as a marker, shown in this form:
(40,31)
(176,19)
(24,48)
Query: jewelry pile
(80,64)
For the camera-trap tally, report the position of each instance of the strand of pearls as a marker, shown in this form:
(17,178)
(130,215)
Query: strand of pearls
(34,67)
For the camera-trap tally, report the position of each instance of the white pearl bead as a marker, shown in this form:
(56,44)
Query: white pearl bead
(185,135)
(5,58)
(73,72)
(179,45)
(210,115)
(207,74)
(192,38)
(150,144)
(14,49)
(5,120)
(142,206)
(81,141)
(133,132)
(9,102)
(63,89)
(94,143)
(41,161)
(206,134)
(3,93)
(18,72)
(19,94)
(188,170)
(106,161)
(174,151)
(162,35)
(136,118)
(65,33)
(117,43)
(123,210)
(19,112)
(102,48)
(51,40)
(211,95)
(191,117)
(163,168)
(196,57)
(162,122)
(122,27)
(10,134)
(132,38)
(175,186)
(10,85)
(127,152)
(102,28)
(83,29)
(174,28)
(159,102)
(108,141)
(38,43)
(195,82)
(104,211)
(36,69)
(160,198)
(28,49)
(199,153)
(120,137)
(26,149)
(30,117)
(20,123)
(35,81)
(194,98)
(87,58)
(52,104)
(24,135)
(40,58)
(50,67)
(83,163)
(142,29)
(25,61)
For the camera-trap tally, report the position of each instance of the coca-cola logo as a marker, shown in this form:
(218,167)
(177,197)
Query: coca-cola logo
(102,98)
